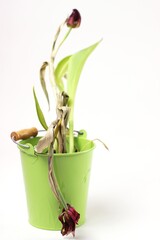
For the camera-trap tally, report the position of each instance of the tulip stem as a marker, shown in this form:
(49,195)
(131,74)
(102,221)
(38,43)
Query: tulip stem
(52,176)
(54,51)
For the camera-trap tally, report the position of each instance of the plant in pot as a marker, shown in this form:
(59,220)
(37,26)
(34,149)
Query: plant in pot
(63,156)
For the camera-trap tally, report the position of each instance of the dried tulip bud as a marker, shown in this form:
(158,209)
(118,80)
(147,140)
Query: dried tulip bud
(74,20)
(69,218)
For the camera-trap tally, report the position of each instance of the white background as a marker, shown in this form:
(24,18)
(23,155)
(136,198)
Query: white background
(118,100)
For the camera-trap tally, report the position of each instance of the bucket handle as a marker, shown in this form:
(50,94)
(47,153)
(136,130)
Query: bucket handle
(32,132)
(22,135)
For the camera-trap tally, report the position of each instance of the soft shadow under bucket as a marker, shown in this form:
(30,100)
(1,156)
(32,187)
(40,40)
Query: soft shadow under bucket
(72,172)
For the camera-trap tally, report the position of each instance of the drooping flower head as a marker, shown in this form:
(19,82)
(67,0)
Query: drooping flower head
(74,20)
(69,218)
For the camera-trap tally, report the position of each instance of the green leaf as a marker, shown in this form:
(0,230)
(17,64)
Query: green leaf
(75,66)
(39,112)
(42,80)
(60,72)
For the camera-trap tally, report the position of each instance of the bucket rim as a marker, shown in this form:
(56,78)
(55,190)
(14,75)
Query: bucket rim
(31,151)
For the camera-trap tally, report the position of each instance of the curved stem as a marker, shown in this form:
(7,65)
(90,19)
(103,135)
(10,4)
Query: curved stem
(53,180)
(54,51)
(53,55)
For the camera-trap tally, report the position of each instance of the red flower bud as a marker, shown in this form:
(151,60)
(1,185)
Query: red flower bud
(69,218)
(74,20)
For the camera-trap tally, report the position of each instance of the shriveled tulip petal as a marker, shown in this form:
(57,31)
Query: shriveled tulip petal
(74,20)
(69,218)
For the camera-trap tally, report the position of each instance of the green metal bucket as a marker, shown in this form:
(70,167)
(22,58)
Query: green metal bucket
(72,172)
